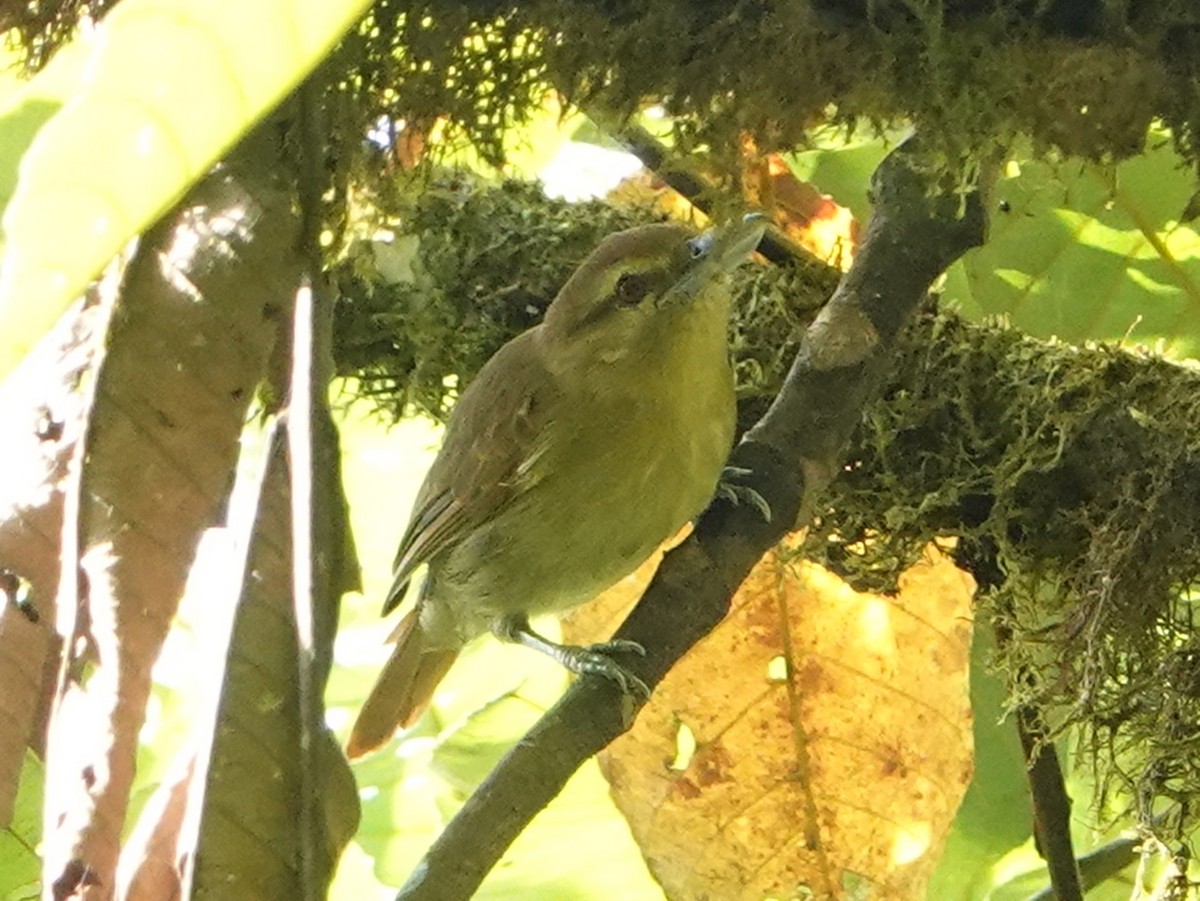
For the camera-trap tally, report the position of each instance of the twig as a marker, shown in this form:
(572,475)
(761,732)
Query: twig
(1051,807)
(655,156)
(1097,866)
(300,470)
(792,452)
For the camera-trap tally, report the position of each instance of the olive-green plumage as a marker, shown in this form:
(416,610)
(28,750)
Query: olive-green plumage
(582,445)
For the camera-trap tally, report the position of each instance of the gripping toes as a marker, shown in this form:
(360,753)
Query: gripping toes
(737,494)
(596,660)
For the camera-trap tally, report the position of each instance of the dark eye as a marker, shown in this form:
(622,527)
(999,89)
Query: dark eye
(631,289)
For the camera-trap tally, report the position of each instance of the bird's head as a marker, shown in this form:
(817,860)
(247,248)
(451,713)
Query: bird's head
(640,285)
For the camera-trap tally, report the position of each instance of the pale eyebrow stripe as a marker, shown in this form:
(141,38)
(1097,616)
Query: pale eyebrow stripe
(637,266)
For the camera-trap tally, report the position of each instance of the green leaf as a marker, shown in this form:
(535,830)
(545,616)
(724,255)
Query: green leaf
(167,86)
(1075,250)
(1104,843)
(841,165)
(995,816)
(404,807)
(19,863)
(578,849)
(989,854)
(1087,252)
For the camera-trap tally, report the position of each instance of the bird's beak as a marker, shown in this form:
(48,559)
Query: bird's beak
(717,252)
(729,246)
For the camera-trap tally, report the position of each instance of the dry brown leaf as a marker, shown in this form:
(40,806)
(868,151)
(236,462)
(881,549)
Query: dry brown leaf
(42,408)
(250,843)
(645,189)
(153,858)
(184,355)
(229,821)
(22,677)
(847,777)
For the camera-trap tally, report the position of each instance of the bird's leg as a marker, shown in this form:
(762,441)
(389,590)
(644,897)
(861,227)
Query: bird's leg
(729,489)
(588,660)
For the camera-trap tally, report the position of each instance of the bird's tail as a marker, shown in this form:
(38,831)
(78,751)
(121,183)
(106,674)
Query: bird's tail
(403,689)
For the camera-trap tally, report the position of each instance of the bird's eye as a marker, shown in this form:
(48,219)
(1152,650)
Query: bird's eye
(699,245)
(631,289)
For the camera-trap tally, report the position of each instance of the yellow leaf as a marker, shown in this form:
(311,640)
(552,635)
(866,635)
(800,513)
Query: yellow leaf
(846,774)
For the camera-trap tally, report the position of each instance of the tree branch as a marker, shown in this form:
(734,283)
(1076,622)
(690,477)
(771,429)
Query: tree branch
(776,246)
(1051,807)
(917,230)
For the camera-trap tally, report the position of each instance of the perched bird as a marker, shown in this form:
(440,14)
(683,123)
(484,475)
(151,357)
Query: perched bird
(582,445)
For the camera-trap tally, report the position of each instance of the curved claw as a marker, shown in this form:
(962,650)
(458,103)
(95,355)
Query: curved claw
(618,646)
(595,660)
(741,494)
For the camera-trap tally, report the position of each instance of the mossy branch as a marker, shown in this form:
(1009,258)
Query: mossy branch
(916,232)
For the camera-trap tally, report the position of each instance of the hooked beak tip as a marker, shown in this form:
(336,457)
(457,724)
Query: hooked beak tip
(734,242)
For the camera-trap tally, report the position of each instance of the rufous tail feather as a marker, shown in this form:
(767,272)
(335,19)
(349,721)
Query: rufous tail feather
(403,689)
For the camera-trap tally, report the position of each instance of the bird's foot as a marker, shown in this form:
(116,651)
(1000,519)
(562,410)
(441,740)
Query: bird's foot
(737,494)
(597,660)
(583,660)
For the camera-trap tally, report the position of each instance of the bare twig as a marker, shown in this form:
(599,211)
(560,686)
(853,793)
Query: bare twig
(655,156)
(1051,807)
(300,471)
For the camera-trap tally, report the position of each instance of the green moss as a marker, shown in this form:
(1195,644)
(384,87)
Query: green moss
(1085,78)
(36,30)
(1069,478)
(485,266)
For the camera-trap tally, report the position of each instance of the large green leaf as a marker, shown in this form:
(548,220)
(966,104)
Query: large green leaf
(995,816)
(167,86)
(841,164)
(1075,250)
(1085,252)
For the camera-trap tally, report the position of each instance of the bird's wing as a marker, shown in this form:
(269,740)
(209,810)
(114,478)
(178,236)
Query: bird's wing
(495,437)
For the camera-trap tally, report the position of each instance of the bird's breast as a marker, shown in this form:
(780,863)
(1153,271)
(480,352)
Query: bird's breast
(634,470)
(630,458)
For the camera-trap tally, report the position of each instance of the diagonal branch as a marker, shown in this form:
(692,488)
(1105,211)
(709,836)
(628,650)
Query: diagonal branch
(776,246)
(918,229)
